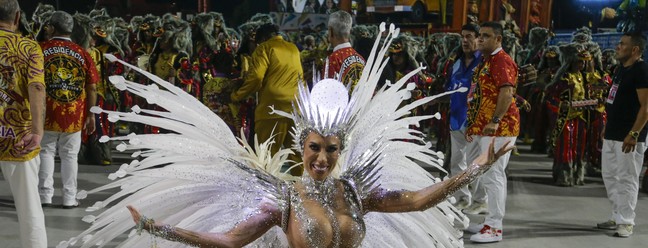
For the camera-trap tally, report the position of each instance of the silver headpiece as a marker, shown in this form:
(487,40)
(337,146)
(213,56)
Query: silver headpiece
(324,110)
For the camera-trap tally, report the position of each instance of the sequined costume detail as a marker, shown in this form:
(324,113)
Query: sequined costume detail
(328,195)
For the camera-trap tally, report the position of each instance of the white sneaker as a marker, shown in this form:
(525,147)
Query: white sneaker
(474,228)
(462,204)
(487,235)
(623,230)
(608,225)
(476,208)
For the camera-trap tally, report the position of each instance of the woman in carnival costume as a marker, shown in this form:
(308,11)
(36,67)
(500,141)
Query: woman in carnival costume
(231,196)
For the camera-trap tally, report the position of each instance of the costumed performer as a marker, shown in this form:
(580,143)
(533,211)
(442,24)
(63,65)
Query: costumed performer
(231,196)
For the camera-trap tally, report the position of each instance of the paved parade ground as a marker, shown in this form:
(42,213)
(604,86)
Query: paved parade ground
(538,213)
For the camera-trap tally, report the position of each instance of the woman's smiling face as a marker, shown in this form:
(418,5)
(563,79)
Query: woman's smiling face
(320,155)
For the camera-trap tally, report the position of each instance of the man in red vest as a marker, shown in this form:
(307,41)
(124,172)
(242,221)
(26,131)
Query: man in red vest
(344,61)
(71,79)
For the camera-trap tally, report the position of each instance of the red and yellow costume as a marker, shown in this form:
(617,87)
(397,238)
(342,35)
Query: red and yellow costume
(177,68)
(598,84)
(68,69)
(569,135)
(21,63)
(347,63)
(215,69)
(482,98)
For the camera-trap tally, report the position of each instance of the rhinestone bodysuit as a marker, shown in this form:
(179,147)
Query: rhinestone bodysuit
(328,213)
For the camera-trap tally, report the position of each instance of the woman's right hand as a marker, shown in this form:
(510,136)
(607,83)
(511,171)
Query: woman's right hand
(136,216)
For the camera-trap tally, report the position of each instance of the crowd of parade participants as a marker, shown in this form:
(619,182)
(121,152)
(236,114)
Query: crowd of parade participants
(561,87)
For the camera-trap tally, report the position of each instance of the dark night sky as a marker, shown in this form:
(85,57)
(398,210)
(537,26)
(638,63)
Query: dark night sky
(238,11)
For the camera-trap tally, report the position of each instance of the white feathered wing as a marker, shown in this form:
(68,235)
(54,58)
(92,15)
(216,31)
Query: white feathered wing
(199,177)
(384,152)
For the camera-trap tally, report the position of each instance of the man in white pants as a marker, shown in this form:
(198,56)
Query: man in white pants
(22,91)
(492,116)
(71,78)
(462,75)
(625,133)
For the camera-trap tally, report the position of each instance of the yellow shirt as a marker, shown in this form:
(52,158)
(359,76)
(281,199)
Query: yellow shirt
(21,64)
(275,70)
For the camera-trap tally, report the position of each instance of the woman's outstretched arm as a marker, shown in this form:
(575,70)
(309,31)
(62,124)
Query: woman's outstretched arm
(381,200)
(242,234)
